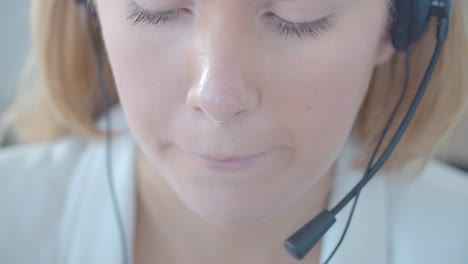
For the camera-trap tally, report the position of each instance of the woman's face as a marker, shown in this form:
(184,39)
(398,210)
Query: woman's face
(229,79)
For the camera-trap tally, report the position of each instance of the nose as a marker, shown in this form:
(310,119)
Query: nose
(222,90)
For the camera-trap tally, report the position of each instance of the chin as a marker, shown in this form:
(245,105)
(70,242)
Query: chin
(235,218)
(235,210)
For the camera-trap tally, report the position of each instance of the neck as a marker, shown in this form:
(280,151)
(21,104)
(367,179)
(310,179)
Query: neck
(168,230)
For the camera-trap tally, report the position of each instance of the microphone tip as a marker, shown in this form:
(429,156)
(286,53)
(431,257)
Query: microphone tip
(293,251)
(300,243)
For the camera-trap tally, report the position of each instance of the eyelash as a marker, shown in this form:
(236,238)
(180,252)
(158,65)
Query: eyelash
(314,29)
(140,15)
(283,27)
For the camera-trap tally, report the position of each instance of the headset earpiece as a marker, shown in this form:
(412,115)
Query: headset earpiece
(410,22)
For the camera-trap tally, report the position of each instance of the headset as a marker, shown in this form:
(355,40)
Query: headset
(410,22)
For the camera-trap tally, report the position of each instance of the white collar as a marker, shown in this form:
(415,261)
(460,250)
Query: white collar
(89,233)
(367,239)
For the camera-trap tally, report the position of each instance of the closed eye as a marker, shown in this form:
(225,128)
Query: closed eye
(138,15)
(282,26)
(313,29)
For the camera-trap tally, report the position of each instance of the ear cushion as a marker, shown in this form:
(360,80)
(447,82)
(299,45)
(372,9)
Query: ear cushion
(410,22)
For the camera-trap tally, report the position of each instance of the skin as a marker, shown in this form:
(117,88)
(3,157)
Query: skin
(220,80)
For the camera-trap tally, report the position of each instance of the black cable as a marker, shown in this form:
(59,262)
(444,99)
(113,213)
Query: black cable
(370,172)
(404,125)
(345,229)
(110,178)
(379,144)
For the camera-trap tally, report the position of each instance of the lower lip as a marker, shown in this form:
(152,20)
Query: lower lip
(233,165)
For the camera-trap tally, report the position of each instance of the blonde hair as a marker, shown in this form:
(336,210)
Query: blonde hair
(59,90)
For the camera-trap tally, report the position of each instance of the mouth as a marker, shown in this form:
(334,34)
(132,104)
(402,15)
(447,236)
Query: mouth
(232,163)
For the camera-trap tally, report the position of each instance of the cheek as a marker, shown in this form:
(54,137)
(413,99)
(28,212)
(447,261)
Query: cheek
(319,98)
(326,119)
(151,78)
(321,113)
(319,93)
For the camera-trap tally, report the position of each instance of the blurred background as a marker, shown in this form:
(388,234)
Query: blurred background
(14,49)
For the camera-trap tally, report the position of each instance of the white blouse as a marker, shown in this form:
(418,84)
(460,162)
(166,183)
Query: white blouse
(55,207)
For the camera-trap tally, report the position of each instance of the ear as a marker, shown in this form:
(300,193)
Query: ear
(385,50)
